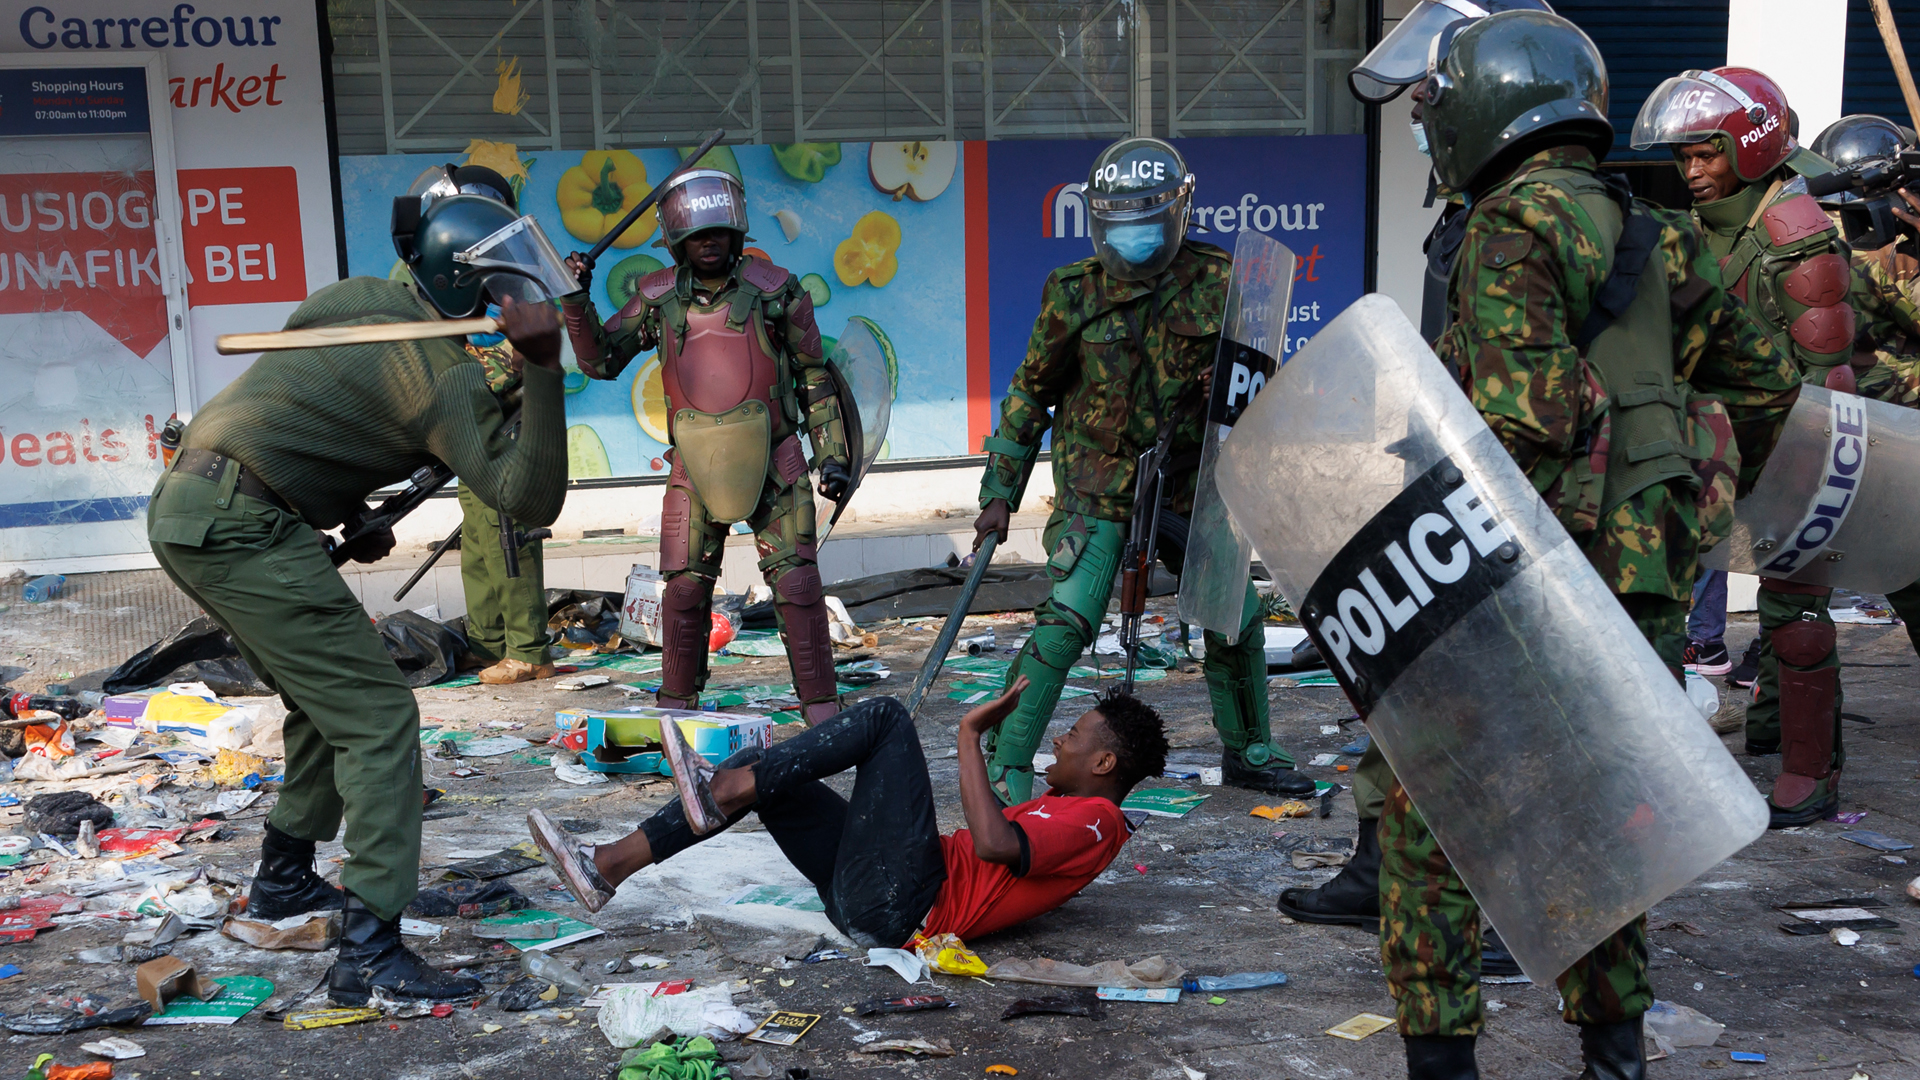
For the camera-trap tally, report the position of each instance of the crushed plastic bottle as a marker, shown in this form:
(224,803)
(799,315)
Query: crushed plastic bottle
(1245,980)
(42,588)
(539,965)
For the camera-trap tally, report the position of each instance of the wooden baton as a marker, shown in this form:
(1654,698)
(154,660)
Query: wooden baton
(322,336)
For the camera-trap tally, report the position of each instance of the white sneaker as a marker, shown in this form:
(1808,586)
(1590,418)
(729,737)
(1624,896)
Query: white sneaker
(570,861)
(691,776)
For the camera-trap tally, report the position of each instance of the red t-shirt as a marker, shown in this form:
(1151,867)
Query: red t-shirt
(1070,840)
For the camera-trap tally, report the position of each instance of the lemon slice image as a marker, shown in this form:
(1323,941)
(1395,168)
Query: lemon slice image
(650,400)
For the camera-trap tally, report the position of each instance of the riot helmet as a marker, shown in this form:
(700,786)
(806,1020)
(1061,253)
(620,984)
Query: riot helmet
(700,199)
(1860,142)
(450,179)
(1139,194)
(1505,82)
(1738,104)
(463,249)
(1403,56)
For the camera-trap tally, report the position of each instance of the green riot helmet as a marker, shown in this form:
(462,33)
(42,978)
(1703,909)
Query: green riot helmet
(1139,194)
(465,248)
(1504,82)
(1400,60)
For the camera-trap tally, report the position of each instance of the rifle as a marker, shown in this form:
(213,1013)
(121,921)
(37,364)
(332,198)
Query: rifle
(1143,543)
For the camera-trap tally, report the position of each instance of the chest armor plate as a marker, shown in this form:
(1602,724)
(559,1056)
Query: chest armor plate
(715,367)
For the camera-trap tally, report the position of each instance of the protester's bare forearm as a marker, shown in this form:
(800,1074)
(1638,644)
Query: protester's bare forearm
(994,837)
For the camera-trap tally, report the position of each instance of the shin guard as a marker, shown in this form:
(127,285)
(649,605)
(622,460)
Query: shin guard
(1807,703)
(800,602)
(686,624)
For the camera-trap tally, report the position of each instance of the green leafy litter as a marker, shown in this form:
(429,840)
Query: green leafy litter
(683,1059)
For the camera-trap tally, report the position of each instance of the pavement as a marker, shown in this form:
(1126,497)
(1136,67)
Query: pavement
(1198,890)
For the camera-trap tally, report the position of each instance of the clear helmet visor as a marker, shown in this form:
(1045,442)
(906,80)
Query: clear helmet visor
(1690,108)
(519,261)
(702,199)
(1400,60)
(1136,245)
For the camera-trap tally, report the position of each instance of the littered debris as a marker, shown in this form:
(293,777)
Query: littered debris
(115,1047)
(160,981)
(1152,973)
(1051,1006)
(1292,808)
(1360,1026)
(1747,1056)
(905,964)
(784,1028)
(947,954)
(1002,1070)
(916,1047)
(1878,841)
(306,933)
(917,1003)
(310,1019)
(1672,1026)
(1843,936)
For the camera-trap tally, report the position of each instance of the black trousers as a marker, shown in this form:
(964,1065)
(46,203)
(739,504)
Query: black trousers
(876,858)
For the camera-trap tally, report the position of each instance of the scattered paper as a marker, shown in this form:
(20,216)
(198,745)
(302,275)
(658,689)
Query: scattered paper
(1360,1026)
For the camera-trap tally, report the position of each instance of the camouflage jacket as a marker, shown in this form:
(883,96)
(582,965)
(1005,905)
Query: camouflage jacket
(1523,283)
(603,351)
(1784,259)
(497,358)
(1887,297)
(1084,380)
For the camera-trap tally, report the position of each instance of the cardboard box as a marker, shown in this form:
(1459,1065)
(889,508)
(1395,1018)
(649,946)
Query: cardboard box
(625,740)
(640,613)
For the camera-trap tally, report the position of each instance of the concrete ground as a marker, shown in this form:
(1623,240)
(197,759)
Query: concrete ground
(1199,890)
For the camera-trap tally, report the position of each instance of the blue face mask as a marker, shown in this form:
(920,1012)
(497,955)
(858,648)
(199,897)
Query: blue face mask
(485,341)
(1136,243)
(1420,138)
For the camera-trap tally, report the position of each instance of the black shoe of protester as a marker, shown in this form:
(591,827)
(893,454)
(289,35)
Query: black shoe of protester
(286,884)
(1707,658)
(1748,669)
(372,957)
(1350,899)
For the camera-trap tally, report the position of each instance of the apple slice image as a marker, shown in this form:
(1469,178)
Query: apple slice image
(915,170)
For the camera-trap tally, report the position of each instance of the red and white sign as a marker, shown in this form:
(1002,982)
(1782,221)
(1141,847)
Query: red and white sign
(240,249)
(83,242)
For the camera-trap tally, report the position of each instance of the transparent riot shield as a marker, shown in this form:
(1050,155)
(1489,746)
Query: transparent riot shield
(1253,335)
(1835,504)
(1554,755)
(864,380)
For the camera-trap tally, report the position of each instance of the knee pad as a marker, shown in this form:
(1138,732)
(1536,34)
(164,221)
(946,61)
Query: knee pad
(676,528)
(800,586)
(1058,645)
(1804,642)
(687,592)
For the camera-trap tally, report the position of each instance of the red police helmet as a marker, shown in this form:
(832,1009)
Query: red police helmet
(1739,103)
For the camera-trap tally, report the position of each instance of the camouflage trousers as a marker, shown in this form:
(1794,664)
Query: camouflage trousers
(1430,923)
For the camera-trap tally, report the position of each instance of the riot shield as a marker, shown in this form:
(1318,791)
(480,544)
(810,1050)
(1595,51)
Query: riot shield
(863,379)
(1253,335)
(1556,758)
(1835,503)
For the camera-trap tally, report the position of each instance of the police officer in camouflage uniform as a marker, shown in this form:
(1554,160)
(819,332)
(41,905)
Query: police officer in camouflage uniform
(1884,233)
(1595,404)
(1352,898)
(1730,135)
(506,617)
(1124,345)
(744,374)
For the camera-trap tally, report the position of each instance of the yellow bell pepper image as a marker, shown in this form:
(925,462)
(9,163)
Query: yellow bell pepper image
(869,254)
(595,194)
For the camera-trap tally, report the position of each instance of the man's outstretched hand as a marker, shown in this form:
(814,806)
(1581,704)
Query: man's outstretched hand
(986,716)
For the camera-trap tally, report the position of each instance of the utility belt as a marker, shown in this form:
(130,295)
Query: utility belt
(209,465)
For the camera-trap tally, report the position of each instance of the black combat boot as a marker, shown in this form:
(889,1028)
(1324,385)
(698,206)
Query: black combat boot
(286,884)
(1275,779)
(1350,899)
(1613,1051)
(372,957)
(1441,1057)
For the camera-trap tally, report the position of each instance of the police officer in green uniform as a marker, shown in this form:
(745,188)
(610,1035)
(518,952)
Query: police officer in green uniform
(293,446)
(1606,407)
(1730,134)
(1124,345)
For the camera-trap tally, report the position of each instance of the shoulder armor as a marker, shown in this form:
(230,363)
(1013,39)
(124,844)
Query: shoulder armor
(1819,281)
(658,284)
(1794,219)
(1076,269)
(764,276)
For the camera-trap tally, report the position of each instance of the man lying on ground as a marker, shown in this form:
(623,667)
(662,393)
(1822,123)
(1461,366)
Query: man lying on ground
(878,859)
